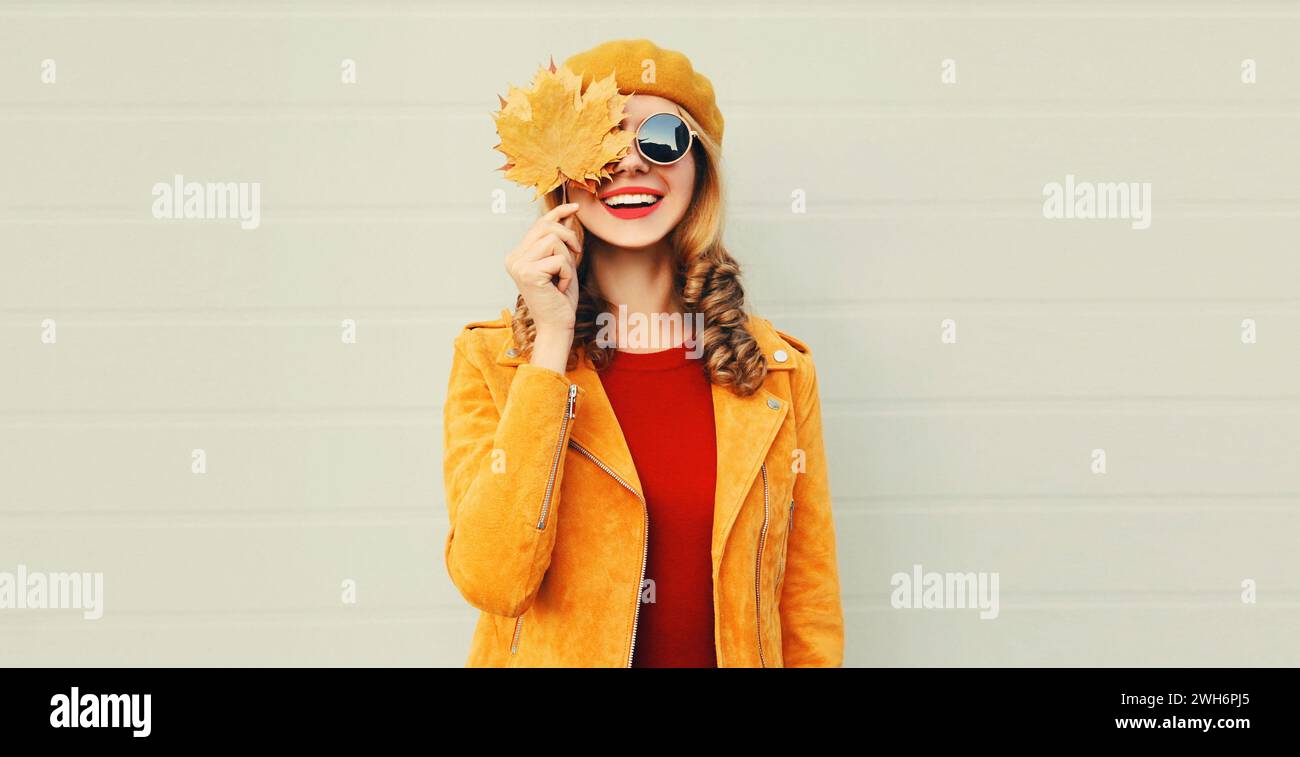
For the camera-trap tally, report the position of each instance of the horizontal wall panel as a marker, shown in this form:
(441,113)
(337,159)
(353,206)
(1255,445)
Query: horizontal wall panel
(1035,453)
(1041,636)
(308,466)
(262,362)
(1164,636)
(316,467)
(1139,53)
(334,639)
(835,161)
(456,261)
(1108,557)
(250,566)
(1028,352)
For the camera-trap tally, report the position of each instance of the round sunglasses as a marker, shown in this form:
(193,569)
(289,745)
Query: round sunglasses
(664,138)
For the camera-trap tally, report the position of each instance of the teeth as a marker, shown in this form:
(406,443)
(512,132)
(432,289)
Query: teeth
(630,199)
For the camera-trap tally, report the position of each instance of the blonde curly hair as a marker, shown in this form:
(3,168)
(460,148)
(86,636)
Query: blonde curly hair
(706,277)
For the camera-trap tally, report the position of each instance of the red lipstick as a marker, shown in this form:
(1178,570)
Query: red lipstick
(628,213)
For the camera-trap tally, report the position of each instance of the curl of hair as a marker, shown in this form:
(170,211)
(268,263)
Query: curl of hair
(706,276)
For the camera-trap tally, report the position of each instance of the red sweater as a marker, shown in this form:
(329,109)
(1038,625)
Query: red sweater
(664,404)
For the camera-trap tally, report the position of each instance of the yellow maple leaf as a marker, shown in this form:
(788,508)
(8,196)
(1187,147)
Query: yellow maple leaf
(554,132)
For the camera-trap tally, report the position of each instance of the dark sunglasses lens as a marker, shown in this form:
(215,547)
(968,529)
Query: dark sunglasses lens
(664,138)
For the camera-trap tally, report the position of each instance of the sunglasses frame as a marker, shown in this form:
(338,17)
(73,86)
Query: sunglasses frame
(690,142)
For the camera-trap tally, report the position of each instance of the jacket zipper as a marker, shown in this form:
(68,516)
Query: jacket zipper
(758,570)
(550,489)
(645,540)
(785,544)
(555,462)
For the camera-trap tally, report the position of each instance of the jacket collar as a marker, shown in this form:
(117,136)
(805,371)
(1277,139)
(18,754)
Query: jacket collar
(745,426)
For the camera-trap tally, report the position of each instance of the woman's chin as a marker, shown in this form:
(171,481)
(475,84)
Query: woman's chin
(627,239)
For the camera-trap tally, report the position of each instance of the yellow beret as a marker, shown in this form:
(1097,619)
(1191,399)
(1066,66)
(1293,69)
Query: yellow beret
(674,77)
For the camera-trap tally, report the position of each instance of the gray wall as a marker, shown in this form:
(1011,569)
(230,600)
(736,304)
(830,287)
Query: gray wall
(924,203)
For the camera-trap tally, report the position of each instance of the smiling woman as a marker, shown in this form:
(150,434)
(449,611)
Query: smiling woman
(664,189)
(618,504)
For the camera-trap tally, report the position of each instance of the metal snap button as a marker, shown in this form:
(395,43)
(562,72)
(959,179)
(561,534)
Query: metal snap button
(774,404)
(780,356)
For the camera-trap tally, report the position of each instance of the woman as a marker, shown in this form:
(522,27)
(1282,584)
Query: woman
(615,503)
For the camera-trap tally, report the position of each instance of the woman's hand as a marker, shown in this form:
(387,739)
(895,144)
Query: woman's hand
(544,267)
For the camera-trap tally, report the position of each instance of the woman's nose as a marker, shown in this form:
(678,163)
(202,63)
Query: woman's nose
(632,162)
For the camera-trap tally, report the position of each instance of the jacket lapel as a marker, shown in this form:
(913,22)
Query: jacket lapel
(596,426)
(744,427)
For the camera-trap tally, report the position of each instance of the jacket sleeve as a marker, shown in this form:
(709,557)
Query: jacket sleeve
(502,472)
(812,620)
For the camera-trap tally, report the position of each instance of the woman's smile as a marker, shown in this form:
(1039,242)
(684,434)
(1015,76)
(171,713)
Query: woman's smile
(631,202)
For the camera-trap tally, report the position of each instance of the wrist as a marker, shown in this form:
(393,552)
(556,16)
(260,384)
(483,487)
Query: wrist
(554,337)
(551,349)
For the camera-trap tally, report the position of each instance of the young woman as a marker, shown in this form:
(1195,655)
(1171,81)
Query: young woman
(616,503)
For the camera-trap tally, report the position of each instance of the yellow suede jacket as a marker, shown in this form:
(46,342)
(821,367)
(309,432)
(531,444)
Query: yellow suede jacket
(549,527)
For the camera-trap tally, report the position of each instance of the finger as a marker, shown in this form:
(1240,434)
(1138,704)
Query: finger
(569,236)
(542,247)
(546,223)
(568,275)
(548,268)
(558,246)
(560,211)
(560,250)
(568,278)
(545,270)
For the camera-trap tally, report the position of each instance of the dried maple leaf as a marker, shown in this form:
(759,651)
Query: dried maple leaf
(553,131)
